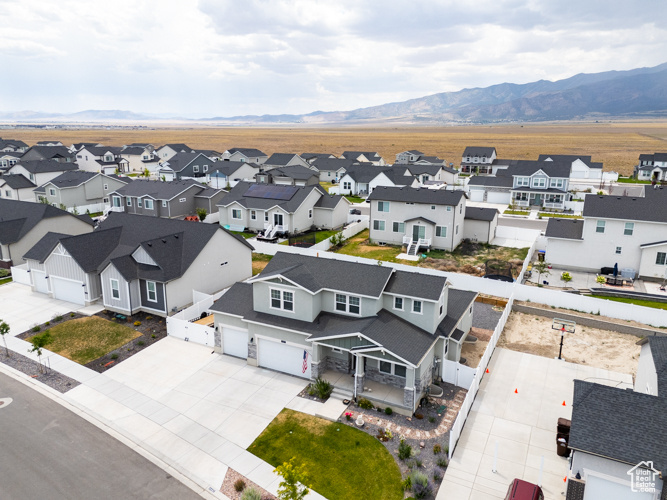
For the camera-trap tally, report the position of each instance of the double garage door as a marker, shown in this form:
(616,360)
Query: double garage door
(70,291)
(283,357)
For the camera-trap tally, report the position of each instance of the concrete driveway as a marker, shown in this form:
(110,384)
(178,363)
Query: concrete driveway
(523,425)
(22,308)
(192,408)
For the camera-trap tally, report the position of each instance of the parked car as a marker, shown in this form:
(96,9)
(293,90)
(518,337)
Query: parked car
(523,490)
(355,211)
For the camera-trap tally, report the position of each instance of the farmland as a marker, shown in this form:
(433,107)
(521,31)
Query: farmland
(617,145)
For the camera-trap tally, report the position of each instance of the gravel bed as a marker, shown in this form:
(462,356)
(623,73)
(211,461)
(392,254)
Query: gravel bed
(228,489)
(485,316)
(49,377)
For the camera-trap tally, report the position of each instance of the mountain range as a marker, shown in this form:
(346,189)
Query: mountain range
(637,93)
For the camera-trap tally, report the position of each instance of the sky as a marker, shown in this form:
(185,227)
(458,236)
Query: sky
(205,58)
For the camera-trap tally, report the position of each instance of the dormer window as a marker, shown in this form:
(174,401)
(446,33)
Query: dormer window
(523,181)
(348,304)
(539,182)
(282,299)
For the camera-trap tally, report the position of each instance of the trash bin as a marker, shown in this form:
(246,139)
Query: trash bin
(561,447)
(540,255)
(563,426)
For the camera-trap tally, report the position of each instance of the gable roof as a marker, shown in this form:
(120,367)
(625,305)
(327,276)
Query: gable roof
(297,172)
(571,159)
(289,198)
(50,151)
(569,229)
(366,173)
(229,167)
(431,169)
(44,246)
(479,151)
(650,208)
(310,156)
(280,158)
(236,301)
(12,142)
(43,166)
(369,155)
(480,213)
(658,346)
(159,190)
(132,150)
(17,181)
(529,167)
(248,152)
(102,150)
(332,164)
(423,286)
(331,201)
(71,179)
(17,218)
(178,147)
(417,195)
(621,425)
(181,160)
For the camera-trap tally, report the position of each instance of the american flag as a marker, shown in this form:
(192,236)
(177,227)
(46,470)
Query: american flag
(304,367)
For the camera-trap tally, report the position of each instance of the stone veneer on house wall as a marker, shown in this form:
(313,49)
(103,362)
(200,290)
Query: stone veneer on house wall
(376,375)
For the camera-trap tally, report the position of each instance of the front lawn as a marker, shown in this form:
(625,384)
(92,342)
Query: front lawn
(326,185)
(5,280)
(354,199)
(259,262)
(515,212)
(631,180)
(559,216)
(637,302)
(244,234)
(341,462)
(86,339)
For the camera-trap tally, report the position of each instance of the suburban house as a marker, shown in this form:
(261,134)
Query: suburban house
(16,187)
(415,157)
(165,199)
(78,146)
(652,167)
(49,143)
(480,224)
(295,175)
(9,159)
(581,167)
(429,173)
(140,158)
(249,155)
(24,223)
(132,263)
(184,165)
(418,218)
(311,157)
(652,368)
(616,444)
(224,174)
(331,169)
(284,160)
(490,189)
(12,145)
(623,230)
(57,153)
(477,160)
(364,157)
(41,171)
(79,190)
(97,158)
(319,317)
(361,180)
(274,209)
(167,151)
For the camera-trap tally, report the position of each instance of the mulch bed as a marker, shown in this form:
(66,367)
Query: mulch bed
(305,395)
(228,489)
(49,377)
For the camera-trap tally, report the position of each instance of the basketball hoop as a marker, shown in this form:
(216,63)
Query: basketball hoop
(564,326)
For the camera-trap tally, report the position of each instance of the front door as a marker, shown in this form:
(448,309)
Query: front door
(277,219)
(418,232)
(538,199)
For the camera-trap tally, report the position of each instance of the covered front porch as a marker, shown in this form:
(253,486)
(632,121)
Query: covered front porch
(554,201)
(380,394)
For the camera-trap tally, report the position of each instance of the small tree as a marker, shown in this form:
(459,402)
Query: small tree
(541,268)
(293,486)
(4,330)
(146,173)
(38,343)
(201,213)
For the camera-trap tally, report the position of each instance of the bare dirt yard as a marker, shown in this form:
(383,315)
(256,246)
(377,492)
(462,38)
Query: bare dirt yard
(474,351)
(587,346)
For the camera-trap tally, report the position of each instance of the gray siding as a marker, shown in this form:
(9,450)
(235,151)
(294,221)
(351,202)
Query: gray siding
(122,304)
(160,305)
(305,307)
(141,256)
(64,266)
(94,287)
(428,320)
(369,306)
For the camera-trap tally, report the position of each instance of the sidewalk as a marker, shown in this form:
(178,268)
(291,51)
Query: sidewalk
(192,409)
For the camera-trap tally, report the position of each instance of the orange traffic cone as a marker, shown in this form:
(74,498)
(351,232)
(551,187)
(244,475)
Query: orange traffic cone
(516,391)
(487,370)
(564,403)
(565,479)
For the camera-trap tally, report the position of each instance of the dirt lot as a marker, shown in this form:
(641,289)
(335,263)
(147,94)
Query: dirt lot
(587,346)
(473,352)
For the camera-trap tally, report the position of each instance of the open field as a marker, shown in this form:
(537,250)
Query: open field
(617,145)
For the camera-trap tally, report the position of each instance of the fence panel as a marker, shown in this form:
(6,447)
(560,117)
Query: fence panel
(20,274)
(190,332)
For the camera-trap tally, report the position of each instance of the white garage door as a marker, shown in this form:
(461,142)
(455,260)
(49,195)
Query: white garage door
(476,195)
(235,342)
(496,197)
(40,281)
(283,357)
(597,488)
(70,291)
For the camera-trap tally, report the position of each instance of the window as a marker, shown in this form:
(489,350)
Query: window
(266,216)
(661,258)
(52,191)
(128,200)
(164,203)
(385,367)
(460,209)
(619,250)
(195,168)
(115,291)
(629,228)
(557,183)
(347,185)
(349,304)
(106,187)
(432,207)
(236,213)
(539,182)
(378,225)
(182,200)
(253,215)
(105,200)
(398,227)
(149,204)
(151,291)
(600,226)
(441,231)
(205,168)
(523,181)
(449,208)
(398,303)
(392,369)
(282,299)
(139,202)
(417,306)
(383,206)
(32,177)
(457,229)
(310,213)
(400,370)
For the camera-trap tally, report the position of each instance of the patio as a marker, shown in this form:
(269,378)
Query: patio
(373,391)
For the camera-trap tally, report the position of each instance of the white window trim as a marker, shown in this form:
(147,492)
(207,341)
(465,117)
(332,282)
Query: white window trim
(399,227)
(240,217)
(128,201)
(148,291)
(164,203)
(140,203)
(441,235)
(631,229)
(385,206)
(195,169)
(379,223)
(347,303)
(664,258)
(421,306)
(392,368)
(402,308)
(152,205)
(52,192)
(600,224)
(282,300)
(253,215)
(115,288)
(310,213)
(182,200)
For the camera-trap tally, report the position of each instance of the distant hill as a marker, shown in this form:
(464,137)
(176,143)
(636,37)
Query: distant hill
(637,93)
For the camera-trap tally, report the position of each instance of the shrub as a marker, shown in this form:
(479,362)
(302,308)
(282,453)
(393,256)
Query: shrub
(251,494)
(384,435)
(447,450)
(137,323)
(36,328)
(153,336)
(436,449)
(418,462)
(365,404)
(4,273)
(114,356)
(431,419)
(601,279)
(404,450)
(420,486)
(442,462)
(239,485)
(148,318)
(47,323)
(407,483)
(71,315)
(141,343)
(322,388)
(437,477)
(58,318)
(388,411)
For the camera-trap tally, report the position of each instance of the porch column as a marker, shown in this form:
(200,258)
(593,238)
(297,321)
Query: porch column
(359,376)
(409,390)
(315,363)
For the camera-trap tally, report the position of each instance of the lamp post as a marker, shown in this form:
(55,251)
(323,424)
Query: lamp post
(562,336)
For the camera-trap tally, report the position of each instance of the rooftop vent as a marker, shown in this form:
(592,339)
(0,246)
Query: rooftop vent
(164,241)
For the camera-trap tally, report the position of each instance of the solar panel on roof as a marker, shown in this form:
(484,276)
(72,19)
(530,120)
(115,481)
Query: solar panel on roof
(268,191)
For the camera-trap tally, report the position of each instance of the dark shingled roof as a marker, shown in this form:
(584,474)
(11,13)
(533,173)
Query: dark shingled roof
(43,248)
(479,213)
(417,195)
(280,158)
(159,190)
(369,155)
(479,151)
(19,217)
(179,147)
(569,229)
(17,181)
(458,302)
(310,156)
(570,158)
(366,173)
(72,178)
(236,301)
(247,151)
(529,167)
(658,347)
(500,181)
(297,172)
(626,426)
(332,164)
(331,201)
(237,194)
(181,160)
(423,286)
(41,166)
(651,208)
(422,169)
(229,167)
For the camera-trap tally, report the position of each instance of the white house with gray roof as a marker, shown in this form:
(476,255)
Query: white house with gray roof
(371,157)
(227,174)
(361,180)
(250,155)
(651,167)
(16,187)
(331,169)
(41,171)
(478,160)
(80,191)
(294,175)
(164,153)
(319,317)
(185,166)
(97,158)
(140,158)
(418,218)
(581,166)
(284,160)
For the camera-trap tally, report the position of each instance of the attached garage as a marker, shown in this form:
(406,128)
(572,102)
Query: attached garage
(40,281)
(68,290)
(498,197)
(476,195)
(283,357)
(597,487)
(235,342)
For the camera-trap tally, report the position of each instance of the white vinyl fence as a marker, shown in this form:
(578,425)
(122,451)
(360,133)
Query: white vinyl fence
(182,326)
(318,248)
(20,274)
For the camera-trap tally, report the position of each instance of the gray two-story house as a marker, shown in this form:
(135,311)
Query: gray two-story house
(80,191)
(357,325)
(40,171)
(185,165)
(418,218)
(478,160)
(542,184)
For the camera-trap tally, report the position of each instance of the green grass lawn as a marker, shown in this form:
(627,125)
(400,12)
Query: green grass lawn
(341,462)
(516,212)
(560,216)
(8,279)
(354,199)
(244,234)
(637,302)
(631,180)
(327,185)
(86,339)
(319,236)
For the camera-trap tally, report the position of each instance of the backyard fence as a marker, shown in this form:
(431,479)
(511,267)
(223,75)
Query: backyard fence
(20,274)
(182,326)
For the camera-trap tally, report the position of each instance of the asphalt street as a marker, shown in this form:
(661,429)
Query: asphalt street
(48,452)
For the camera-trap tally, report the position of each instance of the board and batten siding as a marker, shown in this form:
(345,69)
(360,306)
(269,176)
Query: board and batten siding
(123,302)
(35,265)
(142,257)
(61,264)
(93,286)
